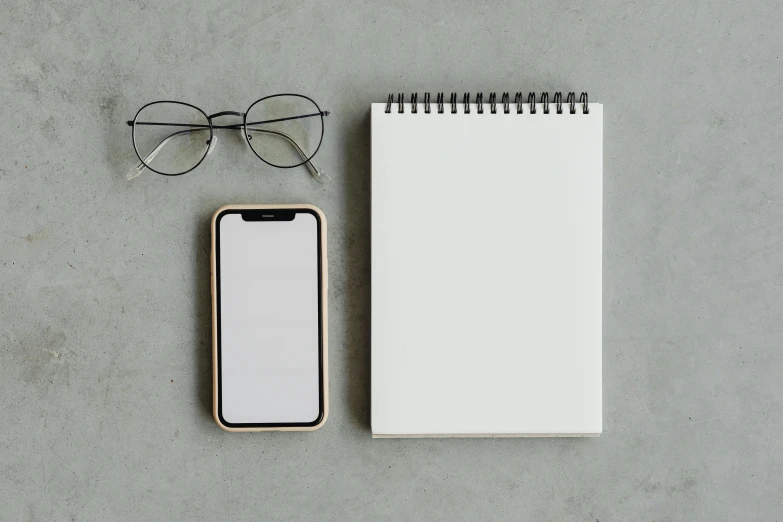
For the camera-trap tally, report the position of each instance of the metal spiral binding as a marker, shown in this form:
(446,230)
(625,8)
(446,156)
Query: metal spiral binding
(585,110)
(571,100)
(557,99)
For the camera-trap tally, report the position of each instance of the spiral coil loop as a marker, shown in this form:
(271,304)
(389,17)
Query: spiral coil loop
(585,109)
(557,100)
(571,101)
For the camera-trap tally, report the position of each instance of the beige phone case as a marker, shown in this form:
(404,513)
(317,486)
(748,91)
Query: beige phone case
(324,318)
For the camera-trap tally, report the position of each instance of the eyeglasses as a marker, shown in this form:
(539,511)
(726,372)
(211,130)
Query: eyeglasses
(172,138)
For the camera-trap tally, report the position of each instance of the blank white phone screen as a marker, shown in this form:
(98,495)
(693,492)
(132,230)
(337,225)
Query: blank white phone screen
(269,320)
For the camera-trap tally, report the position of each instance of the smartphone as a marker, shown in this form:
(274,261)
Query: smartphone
(269,308)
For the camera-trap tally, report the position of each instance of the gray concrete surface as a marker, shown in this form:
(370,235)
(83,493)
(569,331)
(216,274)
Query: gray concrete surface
(104,317)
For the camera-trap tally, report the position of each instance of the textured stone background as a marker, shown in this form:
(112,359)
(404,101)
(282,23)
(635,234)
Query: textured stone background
(104,317)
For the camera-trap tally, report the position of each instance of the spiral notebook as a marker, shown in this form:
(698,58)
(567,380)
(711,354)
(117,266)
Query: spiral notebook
(486,266)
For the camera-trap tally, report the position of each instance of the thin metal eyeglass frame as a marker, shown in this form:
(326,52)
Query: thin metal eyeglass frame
(243,126)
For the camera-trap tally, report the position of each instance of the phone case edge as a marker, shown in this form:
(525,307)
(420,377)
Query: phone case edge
(324,317)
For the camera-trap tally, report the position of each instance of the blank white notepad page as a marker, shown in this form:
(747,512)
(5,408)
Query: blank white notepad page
(486,272)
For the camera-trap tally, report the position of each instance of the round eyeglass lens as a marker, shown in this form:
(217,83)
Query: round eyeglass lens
(171,138)
(284,130)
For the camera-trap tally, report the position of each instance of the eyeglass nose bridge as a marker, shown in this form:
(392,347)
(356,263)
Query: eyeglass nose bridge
(226,113)
(213,141)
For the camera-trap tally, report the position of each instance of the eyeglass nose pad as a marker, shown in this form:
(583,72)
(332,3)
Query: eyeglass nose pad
(212,142)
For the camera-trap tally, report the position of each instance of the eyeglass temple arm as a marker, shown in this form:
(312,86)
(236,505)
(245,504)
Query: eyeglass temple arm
(318,173)
(131,123)
(315,171)
(138,169)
